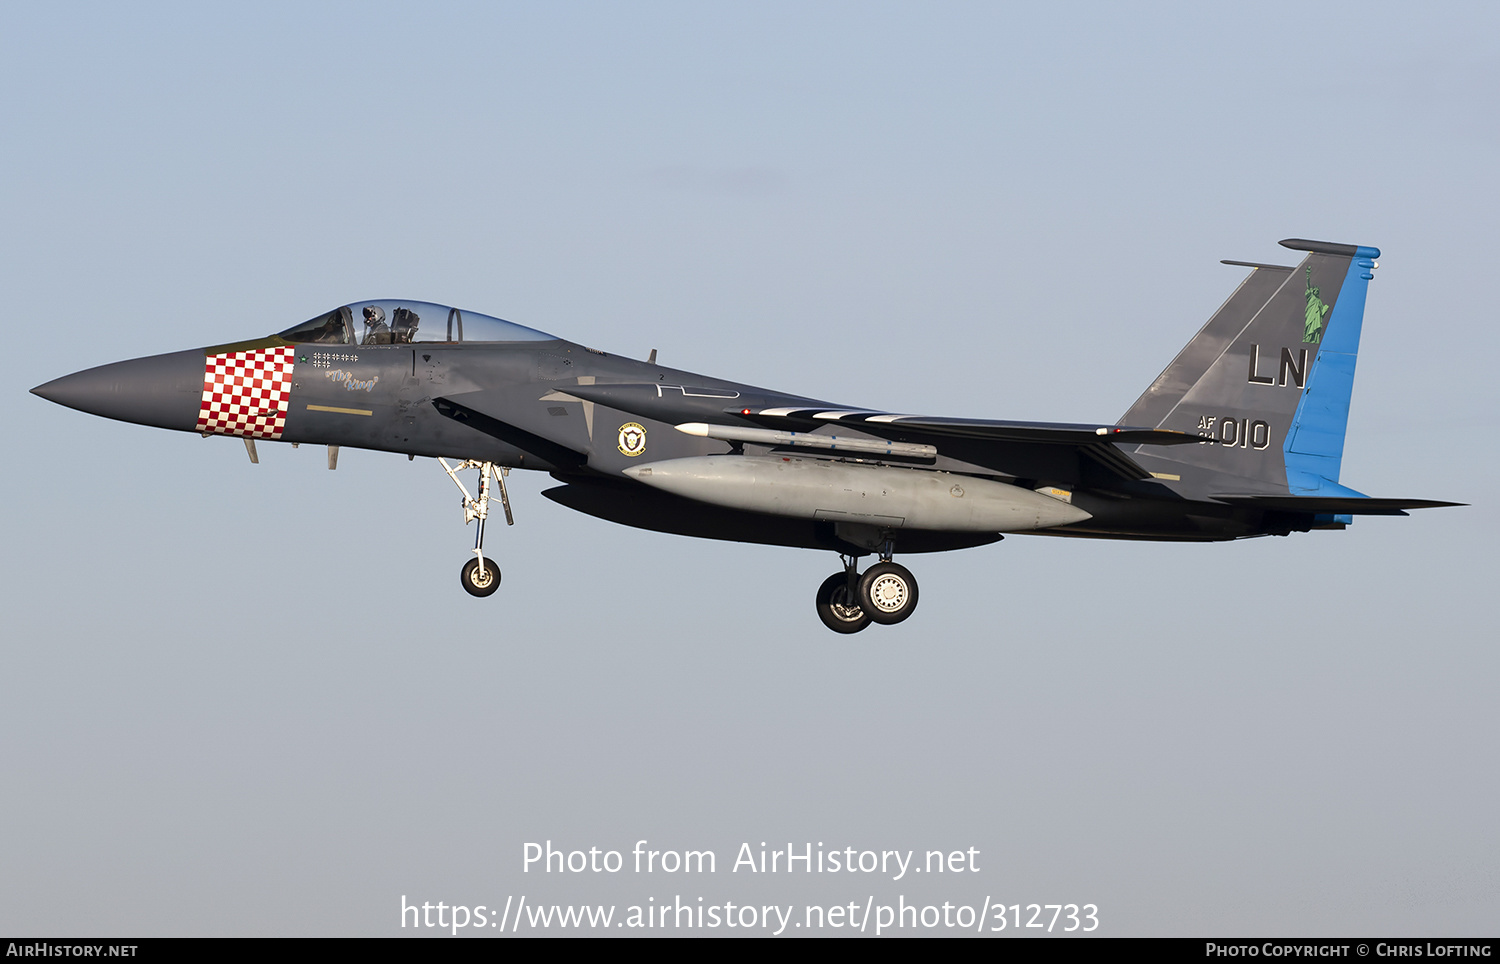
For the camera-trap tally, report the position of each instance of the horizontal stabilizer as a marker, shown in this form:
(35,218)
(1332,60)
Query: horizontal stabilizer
(1334,505)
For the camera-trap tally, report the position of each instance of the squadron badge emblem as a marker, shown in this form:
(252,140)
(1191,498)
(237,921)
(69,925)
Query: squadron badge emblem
(632,439)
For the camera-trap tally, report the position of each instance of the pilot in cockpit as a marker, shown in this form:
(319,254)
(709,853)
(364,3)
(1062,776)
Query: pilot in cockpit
(377,332)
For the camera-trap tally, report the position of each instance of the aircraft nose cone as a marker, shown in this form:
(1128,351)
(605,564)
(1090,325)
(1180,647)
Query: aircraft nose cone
(161,390)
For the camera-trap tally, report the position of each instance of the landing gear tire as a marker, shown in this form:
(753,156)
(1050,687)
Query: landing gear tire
(480,585)
(837,608)
(887,593)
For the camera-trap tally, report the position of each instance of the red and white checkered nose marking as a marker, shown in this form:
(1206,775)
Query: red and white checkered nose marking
(246,393)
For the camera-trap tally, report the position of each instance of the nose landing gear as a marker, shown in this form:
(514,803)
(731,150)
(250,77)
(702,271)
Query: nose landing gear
(847,602)
(480,576)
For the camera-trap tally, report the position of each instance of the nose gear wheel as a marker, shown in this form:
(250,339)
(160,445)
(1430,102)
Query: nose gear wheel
(480,582)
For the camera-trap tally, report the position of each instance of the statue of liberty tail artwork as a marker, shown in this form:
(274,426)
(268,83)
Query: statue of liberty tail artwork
(1316,312)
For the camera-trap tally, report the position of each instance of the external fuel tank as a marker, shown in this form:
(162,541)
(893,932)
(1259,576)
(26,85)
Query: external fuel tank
(876,495)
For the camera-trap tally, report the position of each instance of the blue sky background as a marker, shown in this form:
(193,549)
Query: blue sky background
(253,699)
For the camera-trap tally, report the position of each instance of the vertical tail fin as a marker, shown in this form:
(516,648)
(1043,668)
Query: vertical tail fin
(1269,378)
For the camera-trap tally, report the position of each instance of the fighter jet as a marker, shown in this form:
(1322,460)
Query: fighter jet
(1242,435)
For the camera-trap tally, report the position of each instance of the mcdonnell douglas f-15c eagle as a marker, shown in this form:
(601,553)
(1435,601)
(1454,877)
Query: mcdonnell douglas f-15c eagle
(1241,436)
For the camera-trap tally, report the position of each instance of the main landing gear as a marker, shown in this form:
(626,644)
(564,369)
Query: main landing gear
(480,576)
(886,593)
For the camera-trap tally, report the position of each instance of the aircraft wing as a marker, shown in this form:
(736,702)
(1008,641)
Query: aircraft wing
(1063,433)
(1007,446)
(979,438)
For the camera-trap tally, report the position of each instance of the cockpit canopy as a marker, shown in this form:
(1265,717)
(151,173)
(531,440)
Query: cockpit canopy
(404,323)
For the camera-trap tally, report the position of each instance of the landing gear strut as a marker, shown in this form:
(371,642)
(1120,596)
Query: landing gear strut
(848,602)
(480,576)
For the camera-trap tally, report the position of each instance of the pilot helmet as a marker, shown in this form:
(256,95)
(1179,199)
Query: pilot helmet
(374,315)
